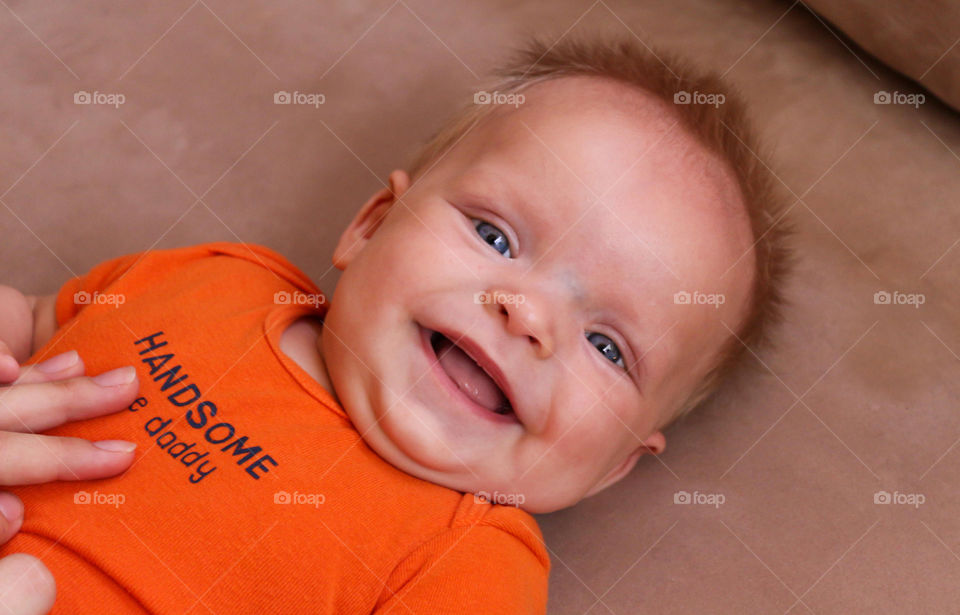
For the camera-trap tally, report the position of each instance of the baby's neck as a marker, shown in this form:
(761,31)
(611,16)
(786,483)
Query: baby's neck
(301,342)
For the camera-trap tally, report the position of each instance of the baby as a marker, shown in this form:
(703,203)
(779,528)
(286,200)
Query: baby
(571,264)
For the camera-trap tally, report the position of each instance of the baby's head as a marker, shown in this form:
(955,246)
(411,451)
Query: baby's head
(607,256)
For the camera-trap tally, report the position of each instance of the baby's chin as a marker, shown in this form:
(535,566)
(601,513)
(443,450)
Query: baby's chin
(401,444)
(436,463)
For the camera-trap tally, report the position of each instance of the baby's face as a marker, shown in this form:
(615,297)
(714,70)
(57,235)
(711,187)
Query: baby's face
(548,245)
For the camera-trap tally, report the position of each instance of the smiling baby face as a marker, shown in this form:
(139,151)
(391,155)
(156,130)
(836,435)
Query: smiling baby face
(508,323)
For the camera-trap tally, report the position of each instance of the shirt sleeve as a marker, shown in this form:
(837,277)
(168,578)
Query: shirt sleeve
(477,569)
(78,292)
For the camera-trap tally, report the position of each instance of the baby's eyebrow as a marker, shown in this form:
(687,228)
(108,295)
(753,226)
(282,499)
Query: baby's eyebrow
(492,186)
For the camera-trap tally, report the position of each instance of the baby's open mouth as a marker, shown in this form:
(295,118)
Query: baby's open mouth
(469,376)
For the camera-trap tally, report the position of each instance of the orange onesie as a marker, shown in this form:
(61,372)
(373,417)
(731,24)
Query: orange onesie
(251,491)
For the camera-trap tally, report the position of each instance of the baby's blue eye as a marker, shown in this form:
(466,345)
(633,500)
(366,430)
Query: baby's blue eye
(606,346)
(493,236)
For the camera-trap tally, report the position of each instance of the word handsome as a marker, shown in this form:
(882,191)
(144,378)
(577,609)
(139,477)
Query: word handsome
(200,415)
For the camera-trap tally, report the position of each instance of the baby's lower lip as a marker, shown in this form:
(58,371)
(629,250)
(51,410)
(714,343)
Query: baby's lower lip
(444,381)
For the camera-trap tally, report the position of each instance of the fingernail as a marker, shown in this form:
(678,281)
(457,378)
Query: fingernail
(59,362)
(10,361)
(11,508)
(115,446)
(115,377)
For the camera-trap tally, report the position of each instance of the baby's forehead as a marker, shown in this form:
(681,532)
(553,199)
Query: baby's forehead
(601,151)
(595,103)
(586,92)
(601,136)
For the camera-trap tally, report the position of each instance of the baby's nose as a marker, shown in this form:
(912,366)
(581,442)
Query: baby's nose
(525,318)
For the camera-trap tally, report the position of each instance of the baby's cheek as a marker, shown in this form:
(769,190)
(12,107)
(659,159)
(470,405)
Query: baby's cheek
(413,251)
(609,423)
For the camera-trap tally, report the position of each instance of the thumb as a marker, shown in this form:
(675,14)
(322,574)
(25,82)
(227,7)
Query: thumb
(11,517)
(26,585)
(9,366)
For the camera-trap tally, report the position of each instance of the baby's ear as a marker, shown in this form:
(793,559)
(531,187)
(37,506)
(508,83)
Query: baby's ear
(653,445)
(368,219)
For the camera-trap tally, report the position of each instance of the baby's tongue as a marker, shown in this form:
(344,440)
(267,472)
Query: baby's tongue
(469,377)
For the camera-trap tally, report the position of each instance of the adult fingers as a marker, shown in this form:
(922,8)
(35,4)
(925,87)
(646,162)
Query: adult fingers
(29,459)
(9,367)
(40,406)
(11,516)
(64,365)
(26,586)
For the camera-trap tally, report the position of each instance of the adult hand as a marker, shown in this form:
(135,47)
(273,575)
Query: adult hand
(33,399)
